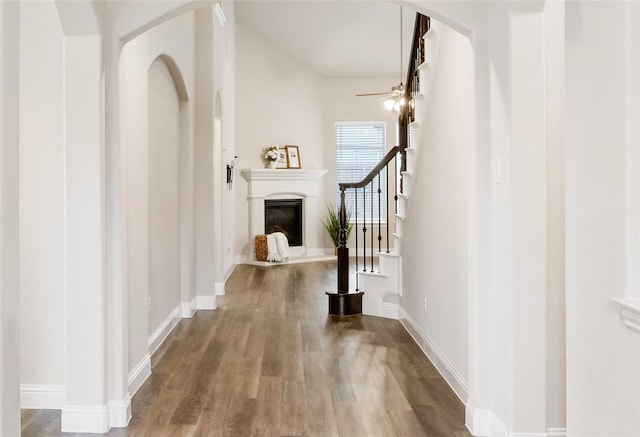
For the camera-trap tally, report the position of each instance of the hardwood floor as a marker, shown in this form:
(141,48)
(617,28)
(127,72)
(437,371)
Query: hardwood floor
(271,362)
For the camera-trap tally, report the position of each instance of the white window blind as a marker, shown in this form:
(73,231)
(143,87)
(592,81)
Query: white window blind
(359,147)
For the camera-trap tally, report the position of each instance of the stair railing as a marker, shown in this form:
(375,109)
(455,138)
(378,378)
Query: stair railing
(371,189)
(342,302)
(416,59)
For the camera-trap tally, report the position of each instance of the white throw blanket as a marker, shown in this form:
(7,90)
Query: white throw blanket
(277,247)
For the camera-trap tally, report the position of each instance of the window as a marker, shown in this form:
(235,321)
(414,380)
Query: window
(359,147)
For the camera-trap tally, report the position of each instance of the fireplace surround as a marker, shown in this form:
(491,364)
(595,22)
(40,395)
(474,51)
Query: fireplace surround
(286,184)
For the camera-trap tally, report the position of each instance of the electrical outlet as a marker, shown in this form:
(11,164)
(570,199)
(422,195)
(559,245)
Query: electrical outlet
(424,304)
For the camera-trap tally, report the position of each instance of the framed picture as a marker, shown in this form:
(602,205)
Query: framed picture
(293,156)
(282,161)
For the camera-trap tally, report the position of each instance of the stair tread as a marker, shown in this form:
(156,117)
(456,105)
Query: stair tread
(387,293)
(390,254)
(373,274)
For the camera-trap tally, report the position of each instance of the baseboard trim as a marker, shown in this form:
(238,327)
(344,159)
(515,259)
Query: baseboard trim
(142,370)
(165,328)
(51,397)
(85,418)
(477,421)
(120,412)
(482,423)
(139,374)
(219,287)
(498,427)
(528,434)
(42,396)
(189,309)
(206,302)
(439,360)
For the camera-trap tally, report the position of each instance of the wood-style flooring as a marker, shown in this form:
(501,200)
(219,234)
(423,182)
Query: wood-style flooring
(271,362)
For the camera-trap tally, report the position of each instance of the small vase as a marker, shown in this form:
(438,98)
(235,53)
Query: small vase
(272,165)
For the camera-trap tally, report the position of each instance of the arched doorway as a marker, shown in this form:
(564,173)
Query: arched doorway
(164,194)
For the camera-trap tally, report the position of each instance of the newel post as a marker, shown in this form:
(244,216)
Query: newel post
(342,302)
(343,250)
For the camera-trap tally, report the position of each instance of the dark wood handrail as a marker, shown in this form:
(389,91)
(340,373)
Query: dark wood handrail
(343,302)
(416,57)
(415,43)
(373,173)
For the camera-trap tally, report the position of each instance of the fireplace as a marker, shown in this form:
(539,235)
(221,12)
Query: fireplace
(284,215)
(302,185)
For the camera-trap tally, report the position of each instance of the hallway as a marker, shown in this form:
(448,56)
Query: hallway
(270,362)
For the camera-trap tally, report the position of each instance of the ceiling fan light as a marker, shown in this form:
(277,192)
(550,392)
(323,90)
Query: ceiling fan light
(399,104)
(389,104)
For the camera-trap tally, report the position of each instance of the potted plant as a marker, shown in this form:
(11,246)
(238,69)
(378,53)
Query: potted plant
(332,226)
(270,156)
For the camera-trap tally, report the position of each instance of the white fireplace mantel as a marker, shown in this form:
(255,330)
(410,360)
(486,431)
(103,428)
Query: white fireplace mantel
(264,182)
(281,184)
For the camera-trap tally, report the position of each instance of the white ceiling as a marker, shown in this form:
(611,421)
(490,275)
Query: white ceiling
(336,39)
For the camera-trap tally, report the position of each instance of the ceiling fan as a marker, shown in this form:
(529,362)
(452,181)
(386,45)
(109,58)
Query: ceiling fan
(396,92)
(395,98)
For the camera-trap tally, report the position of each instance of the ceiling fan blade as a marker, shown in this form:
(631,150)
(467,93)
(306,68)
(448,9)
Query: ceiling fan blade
(372,94)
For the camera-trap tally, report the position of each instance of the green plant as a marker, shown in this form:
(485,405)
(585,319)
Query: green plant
(332,225)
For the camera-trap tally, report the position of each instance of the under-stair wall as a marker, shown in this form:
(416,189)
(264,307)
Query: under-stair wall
(434,232)
(423,281)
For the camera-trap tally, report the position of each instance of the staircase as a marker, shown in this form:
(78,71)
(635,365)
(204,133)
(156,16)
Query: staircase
(378,290)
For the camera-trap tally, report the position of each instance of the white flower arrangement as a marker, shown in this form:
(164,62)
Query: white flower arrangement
(271,154)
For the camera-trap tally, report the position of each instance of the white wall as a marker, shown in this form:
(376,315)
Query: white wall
(515,210)
(203,137)
(435,234)
(215,148)
(601,156)
(508,230)
(278,103)
(104,126)
(41,204)
(123,22)
(175,38)
(556,332)
(9,244)
(85,329)
(164,194)
(224,92)
(79,251)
